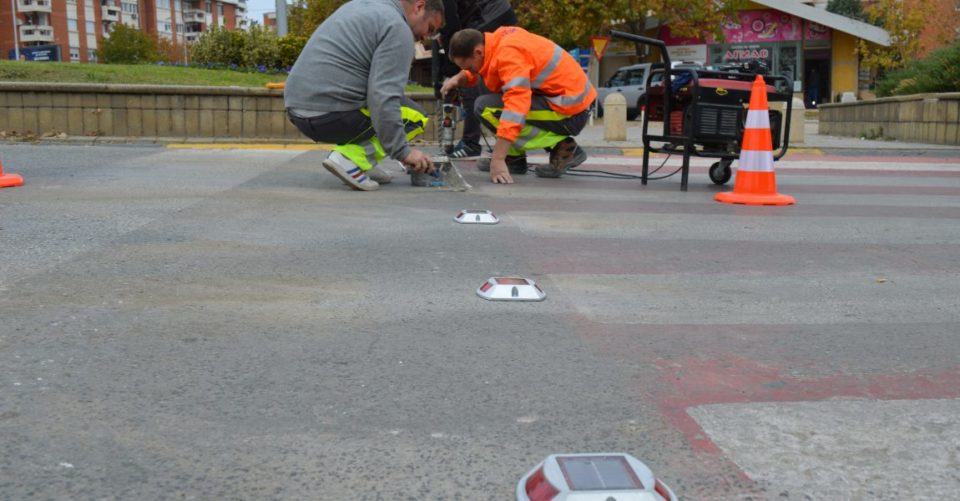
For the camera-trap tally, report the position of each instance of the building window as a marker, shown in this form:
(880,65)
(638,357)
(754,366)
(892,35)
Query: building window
(74,53)
(220,9)
(91,56)
(91,27)
(209,7)
(72,24)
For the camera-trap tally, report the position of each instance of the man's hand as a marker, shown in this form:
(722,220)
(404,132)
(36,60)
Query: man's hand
(499,174)
(451,84)
(418,161)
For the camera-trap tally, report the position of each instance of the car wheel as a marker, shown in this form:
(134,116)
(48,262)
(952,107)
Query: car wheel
(632,114)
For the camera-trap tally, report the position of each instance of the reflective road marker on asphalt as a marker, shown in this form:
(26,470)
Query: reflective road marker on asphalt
(467,216)
(511,289)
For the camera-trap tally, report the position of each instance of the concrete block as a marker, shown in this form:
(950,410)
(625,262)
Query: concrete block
(191,102)
(148,102)
(134,122)
(45,121)
(220,126)
(615,117)
(163,102)
(74,100)
(58,100)
(75,121)
(249,124)
(91,122)
(235,123)
(249,103)
(205,128)
(118,101)
(105,122)
(952,134)
(31,100)
(89,100)
(264,128)
(235,103)
(30,119)
(178,122)
(277,119)
(3,99)
(264,104)
(164,122)
(953,111)
(192,122)
(930,110)
(278,104)
(104,101)
(178,102)
(14,100)
(149,122)
(120,117)
(14,120)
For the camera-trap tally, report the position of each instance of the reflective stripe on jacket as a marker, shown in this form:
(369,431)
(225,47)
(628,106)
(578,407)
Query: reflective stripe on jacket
(518,63)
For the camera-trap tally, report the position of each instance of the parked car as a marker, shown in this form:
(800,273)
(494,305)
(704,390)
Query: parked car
(631,81)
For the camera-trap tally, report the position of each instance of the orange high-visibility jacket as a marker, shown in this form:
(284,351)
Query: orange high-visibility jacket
(519,64)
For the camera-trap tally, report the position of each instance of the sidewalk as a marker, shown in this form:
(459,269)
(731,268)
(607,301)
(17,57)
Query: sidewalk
(592,137)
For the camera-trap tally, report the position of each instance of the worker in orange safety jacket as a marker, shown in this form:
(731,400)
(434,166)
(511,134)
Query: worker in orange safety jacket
(540,97)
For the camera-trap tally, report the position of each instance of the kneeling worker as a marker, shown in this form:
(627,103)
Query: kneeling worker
(347,87)
(541,98)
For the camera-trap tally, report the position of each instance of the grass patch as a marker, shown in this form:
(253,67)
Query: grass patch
(19,71)
(150,74)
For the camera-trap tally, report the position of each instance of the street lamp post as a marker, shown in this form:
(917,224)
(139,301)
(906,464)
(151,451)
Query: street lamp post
(13,21)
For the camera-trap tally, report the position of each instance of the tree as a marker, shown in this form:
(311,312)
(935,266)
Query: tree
(572,22)
(904,21)
(847,8)
(127,45)
(303,16)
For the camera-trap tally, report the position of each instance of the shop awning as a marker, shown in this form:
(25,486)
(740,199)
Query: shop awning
(837,22)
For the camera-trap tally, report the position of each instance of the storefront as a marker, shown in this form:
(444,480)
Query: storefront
(813,48)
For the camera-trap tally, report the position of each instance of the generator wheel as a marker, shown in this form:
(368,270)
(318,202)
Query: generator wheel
(720,172)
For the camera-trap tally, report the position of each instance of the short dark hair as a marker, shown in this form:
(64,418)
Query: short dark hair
(434,6)
(463,43)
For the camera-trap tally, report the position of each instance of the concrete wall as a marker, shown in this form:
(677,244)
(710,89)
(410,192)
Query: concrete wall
(921,118)
(164,113)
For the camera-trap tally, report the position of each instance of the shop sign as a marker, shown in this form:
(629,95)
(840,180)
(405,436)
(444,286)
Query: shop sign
(746,53)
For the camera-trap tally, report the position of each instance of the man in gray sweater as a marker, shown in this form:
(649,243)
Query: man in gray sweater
(347,86)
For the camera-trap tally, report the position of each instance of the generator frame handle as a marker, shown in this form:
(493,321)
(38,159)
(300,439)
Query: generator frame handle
(668,73)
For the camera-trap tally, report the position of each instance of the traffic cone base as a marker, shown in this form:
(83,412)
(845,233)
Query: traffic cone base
(755,188)
(10,181)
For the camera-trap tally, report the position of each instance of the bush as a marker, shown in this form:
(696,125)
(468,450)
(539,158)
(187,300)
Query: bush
(938,72)
(127,45)
(220,46)
(290,48)
(261,48)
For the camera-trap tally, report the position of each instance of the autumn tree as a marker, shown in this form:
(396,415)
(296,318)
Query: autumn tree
(904,21)
(303,16)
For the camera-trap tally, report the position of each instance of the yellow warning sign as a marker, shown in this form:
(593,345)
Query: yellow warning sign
(599,46)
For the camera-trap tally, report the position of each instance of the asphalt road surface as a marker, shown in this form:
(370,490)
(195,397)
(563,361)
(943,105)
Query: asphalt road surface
(236,324)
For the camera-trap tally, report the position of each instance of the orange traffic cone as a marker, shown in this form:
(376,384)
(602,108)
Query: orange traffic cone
(756,182)
(9,180)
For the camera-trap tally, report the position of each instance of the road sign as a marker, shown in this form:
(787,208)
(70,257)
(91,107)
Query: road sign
(599,45)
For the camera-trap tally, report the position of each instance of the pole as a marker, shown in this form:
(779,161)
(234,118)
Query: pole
(281,6)
(13,19)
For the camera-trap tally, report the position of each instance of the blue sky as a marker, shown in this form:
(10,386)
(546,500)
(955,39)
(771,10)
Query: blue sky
(256,8)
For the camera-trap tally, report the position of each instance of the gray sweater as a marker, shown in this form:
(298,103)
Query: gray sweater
(359,56)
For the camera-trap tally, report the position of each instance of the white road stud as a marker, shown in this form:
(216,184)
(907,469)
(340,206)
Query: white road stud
(511,289)
(468,216)
(603,476)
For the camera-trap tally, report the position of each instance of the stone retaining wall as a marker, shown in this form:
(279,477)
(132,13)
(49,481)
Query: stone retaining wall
(921,118)
(165,113)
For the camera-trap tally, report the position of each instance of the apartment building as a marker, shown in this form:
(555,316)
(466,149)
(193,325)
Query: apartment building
(72,30)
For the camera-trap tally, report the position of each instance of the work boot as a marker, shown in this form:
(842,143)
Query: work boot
(380,175)
(349,172)
(515,164)
(565,155)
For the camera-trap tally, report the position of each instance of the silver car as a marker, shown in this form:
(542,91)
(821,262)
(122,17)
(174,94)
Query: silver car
(631,81)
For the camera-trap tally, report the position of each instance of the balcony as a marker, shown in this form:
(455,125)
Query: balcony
(33,6)
(110,14)
(194,16)
(36,33)
(192,36)
(243,23)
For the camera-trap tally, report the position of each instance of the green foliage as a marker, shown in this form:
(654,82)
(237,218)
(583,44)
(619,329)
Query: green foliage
(939,72)
(154,74)
(257,48)
(848,8)
(303,16)
(220,46)
(127,45)
(290,46)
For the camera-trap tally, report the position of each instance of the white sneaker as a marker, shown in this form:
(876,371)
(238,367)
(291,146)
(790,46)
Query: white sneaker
(380,175)
(349,173)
